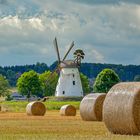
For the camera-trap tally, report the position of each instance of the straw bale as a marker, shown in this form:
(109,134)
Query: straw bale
(4,108)
(36,108)
(68,110)
(91,107)
(121,109)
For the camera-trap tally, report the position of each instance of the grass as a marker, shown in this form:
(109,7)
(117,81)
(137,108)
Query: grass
(52,126)
(19,106)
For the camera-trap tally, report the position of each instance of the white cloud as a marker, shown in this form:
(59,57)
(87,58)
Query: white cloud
(54,26)
(36,23)
(107,29)
(99,57)
(10,21)
(101,2)
(92,55)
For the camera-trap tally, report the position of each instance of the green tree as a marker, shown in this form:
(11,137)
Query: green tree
(137,78)
(48,83)
(85,83)
(4,85)
(29,84)
(11,76)
(105,80)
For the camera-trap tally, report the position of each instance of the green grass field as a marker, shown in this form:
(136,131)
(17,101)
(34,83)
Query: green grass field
(19,106)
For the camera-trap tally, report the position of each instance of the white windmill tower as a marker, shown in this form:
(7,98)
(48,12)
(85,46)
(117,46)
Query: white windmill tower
(69,83)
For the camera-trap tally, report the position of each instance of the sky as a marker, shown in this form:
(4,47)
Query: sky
(108,31)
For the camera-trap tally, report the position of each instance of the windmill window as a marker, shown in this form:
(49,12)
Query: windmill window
(73,82)
(63,92)
(73,75)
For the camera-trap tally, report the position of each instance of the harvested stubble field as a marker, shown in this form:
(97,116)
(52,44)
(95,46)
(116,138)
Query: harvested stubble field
(52,126)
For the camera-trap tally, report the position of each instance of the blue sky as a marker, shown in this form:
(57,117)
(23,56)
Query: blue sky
(108,32)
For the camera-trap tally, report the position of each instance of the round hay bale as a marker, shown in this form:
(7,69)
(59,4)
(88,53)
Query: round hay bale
(91,107)
(121,109)
(36,108)
(4,108)
(68,110)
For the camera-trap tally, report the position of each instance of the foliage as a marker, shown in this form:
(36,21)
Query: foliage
(4,85)
(137,78)
(91,70)
(126,73)
(48,82)
(105,80)
(11,76)
(12,73)
(53,66)
(29,84)
(8,97)
(85,83)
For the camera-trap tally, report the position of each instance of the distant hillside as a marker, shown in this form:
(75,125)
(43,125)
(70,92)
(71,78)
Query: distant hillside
(91,70)
(126,73)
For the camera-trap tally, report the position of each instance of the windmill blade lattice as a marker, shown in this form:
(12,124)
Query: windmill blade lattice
(57,50)
(59,60)
(71,46)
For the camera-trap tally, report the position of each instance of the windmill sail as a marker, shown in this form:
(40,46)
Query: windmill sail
(59,66)
(57,50)
(58,55)
(71,46)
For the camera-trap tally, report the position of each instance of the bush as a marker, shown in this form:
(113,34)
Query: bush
(105,80)
(137,78)
(4,85)
(85,83)
(48,83)
(8,97)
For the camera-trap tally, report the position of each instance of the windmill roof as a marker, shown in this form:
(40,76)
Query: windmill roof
(68,64)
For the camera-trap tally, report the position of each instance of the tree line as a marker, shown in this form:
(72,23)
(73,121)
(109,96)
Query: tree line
(125,72)
(31,83)
(91,70)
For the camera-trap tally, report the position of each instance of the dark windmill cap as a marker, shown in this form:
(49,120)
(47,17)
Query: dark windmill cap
(68,64)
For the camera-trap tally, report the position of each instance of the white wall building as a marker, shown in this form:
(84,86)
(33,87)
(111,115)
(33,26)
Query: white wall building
(69,83)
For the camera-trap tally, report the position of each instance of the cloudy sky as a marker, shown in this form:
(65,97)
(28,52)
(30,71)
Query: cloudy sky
(107,30)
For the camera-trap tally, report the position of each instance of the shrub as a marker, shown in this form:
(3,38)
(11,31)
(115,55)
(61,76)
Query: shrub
(105,80)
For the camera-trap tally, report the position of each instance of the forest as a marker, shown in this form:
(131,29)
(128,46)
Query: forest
(91,70)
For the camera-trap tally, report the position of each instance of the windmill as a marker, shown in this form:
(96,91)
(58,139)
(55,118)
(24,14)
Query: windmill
(69,82)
